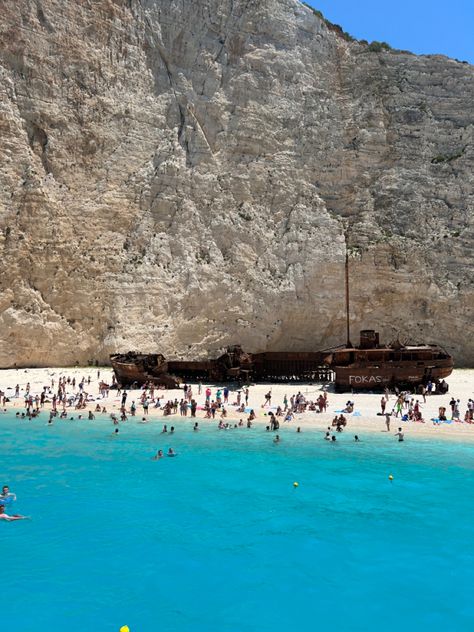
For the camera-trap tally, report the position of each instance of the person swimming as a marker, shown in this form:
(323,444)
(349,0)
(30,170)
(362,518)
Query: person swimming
(277,439)
(4,516)
(356,438)
(7,497)
(158,455)
(171,452)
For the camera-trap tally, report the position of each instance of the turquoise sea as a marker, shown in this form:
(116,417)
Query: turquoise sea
(219,539)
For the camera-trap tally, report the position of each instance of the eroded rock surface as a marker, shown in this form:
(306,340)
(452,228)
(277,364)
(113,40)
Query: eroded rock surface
(177,176)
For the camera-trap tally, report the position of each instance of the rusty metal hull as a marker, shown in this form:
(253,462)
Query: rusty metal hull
(382,367)
(367,367)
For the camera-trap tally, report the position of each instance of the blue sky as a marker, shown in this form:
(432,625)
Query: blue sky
(421,26)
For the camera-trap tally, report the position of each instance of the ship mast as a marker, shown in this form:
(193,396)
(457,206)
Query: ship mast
(349,343)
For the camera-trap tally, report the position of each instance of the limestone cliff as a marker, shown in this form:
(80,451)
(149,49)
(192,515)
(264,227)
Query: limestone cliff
(179,175)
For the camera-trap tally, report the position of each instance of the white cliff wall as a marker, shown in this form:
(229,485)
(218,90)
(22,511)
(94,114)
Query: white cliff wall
(177,176)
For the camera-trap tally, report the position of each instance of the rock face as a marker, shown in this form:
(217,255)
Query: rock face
(177,176)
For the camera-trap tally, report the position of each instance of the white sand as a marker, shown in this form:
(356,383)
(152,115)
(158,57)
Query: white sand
(461,386)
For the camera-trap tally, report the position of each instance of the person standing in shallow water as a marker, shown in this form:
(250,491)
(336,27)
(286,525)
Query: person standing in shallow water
(400,435)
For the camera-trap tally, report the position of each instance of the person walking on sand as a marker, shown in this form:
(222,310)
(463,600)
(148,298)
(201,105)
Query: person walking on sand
(268,399)
(387,421)
(383,403)
(398,406)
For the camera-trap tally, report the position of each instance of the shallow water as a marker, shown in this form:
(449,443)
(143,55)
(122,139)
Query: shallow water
(219,539)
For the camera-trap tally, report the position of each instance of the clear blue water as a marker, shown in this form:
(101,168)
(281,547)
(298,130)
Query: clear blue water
(219,539)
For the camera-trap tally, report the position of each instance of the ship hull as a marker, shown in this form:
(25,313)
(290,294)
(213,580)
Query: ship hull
(368,367)
(377,377)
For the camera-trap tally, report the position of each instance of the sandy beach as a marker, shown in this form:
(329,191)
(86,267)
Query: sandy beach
(363,420)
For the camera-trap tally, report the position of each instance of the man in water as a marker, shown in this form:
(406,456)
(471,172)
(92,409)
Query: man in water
(399,434)
(6,496)
(277,439)
(4,516)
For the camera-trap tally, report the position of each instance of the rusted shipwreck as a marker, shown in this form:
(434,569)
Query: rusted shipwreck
(233,365)
(367,366)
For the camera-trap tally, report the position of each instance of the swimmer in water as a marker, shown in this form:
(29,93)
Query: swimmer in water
(298,429)
(7,496)
(171,452)
(172,430)
(277,439)
(4,516)
(158,455)
(356,438)
(196,427)
(165,429)
(115,432)
(333,438)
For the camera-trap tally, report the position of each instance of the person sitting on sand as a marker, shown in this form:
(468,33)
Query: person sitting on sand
(97,408)
(251,417)
(241,423)
(442,413)
(4,516)
(349,407)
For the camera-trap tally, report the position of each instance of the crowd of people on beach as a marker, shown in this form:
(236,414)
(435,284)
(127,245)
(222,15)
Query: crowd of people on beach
(68,395)
(70,399)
